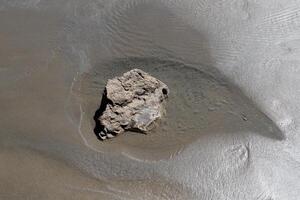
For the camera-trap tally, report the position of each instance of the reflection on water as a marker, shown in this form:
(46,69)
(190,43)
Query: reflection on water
(55,59)
(201,103)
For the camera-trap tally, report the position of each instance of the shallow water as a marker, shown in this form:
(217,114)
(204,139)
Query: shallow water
(200,103)
(231,130)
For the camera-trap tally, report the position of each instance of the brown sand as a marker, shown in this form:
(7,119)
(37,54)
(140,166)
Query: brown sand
(215,143)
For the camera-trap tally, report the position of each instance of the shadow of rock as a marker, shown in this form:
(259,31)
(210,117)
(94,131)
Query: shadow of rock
(202,102)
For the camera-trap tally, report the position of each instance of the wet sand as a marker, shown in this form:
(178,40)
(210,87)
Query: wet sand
(231,130)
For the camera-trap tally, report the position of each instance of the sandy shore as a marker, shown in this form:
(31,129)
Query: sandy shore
(232,124)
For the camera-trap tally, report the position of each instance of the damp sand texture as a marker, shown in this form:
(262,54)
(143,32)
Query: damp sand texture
(232,124)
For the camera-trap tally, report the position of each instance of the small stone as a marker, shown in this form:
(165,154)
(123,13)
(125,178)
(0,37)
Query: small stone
(134,101)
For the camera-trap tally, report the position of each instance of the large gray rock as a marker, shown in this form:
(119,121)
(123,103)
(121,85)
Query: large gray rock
(134,101)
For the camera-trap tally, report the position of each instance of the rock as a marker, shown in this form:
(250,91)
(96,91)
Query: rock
(134,101)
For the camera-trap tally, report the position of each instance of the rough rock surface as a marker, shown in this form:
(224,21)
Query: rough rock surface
(134,101)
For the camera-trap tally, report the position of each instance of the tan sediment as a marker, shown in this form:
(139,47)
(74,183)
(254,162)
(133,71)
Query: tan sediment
(218,141)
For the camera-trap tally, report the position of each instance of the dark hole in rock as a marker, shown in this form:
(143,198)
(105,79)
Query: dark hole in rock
(164,91)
